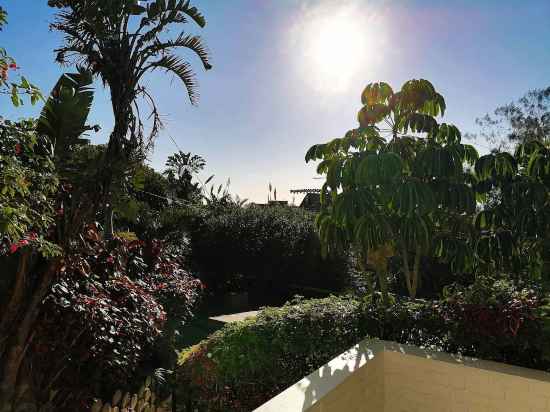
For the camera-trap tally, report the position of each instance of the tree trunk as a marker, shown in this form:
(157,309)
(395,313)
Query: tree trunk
(383,279)
(21,337)
(415,273)
(108,230)
(11,309)
(407,271)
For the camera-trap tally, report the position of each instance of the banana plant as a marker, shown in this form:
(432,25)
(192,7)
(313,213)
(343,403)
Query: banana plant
(64,116)
(395,184)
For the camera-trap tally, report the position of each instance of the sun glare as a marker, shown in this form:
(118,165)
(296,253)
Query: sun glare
(336,41)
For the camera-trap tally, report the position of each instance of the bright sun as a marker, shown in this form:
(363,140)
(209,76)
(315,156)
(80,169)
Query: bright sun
(336,42)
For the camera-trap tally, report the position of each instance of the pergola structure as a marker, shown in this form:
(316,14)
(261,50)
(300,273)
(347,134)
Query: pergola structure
(312,200)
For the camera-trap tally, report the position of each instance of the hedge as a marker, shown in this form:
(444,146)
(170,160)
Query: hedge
(265,250)
(245,364)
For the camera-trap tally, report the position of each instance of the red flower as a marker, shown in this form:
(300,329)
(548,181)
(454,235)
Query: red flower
(13,66)
(18,148)
(23,242)
(32,236)
(110,260)
(13,248)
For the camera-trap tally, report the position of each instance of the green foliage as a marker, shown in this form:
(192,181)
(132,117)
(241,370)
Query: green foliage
(28,185)
(63,117)
(397,188)
(246,363)
(181,169)
(113,304)
(120,41)
(268,249)
(514,223)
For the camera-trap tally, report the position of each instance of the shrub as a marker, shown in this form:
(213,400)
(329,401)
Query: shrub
(270,248)
(493,319)
(104,314)
(246,363)
(498,319)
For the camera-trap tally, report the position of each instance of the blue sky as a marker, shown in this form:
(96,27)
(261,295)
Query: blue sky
(288,74)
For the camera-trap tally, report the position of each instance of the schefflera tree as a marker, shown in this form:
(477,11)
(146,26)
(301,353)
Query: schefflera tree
(398,185)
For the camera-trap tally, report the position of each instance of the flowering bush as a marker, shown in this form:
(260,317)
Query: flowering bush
(29,185)
(105,312)
(498,320)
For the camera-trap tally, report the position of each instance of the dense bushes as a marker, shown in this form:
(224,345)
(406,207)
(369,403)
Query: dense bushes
(105,313)
(241,366)
(247,363)
(264,249)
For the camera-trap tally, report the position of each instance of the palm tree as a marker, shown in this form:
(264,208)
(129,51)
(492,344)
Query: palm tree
(120,41)
(181,169)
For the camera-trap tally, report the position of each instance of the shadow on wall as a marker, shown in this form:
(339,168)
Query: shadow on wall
(322,381)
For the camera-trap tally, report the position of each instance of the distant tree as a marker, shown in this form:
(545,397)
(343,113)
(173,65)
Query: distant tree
(120,41)
(397,184)
(525,120)
(181,169)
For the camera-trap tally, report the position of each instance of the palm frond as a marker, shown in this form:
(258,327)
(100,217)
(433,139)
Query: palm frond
(193,43)
(182,70)
(183,7)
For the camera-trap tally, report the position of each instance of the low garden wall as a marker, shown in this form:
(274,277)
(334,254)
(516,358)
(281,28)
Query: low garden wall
(383,376)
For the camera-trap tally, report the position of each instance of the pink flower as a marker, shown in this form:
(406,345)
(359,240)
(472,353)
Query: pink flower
(23,242)
(110,260)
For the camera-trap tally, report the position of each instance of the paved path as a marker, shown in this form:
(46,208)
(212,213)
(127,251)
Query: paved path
(235,317)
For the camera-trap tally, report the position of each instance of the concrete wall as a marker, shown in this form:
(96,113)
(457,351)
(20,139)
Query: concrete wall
(362,391)
(416,384)
(387,377)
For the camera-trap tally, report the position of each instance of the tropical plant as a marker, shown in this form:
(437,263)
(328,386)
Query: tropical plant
(181,168)
(120,42)
(36,231)
(7,65)
(397,184)
(514,221)
(222,198)
(107,309)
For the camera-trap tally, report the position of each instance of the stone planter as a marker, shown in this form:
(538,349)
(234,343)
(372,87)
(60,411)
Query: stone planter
(236,302)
